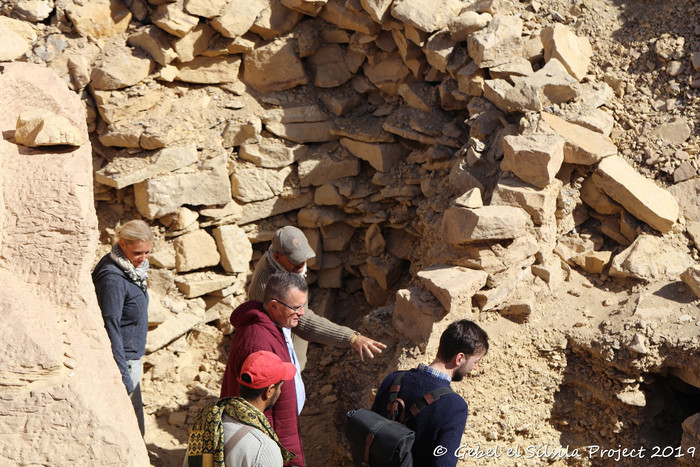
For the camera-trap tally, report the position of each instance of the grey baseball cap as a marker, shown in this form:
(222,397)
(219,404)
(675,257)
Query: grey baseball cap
(292,243)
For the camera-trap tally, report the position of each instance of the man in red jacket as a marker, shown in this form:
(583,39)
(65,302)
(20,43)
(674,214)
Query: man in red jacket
(267,326)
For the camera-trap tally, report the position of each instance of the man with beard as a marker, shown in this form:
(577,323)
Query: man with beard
(440,424)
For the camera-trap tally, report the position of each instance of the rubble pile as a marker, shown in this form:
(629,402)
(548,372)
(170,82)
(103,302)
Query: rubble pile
(450,158)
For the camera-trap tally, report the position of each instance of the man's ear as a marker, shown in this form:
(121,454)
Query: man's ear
(459,359)
(268,392)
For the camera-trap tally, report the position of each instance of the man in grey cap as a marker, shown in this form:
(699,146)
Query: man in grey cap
(289,251)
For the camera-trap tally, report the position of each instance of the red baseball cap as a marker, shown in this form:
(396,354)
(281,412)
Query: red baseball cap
(264,368)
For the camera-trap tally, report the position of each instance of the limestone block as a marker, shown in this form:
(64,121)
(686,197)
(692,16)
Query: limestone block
(271,153)
(316,172)
(381,156)
(210,70)
(675,131)
(205,8)
(411,54)
(98,18)
(534,159)
(596,119)
(250,183)
(155,42)
(539,203)
(518,67)
(497,43)
(385,269)
(117,105)
(195,250)
(650,258)
(519,305)
(16,38)
(40,127)
(162,256)
(234,247)
(238,132)
(315,216)
(336,13)
(467,23)
(462,179)
(551,272)
(171,18)
(415,312)
(374,241)
(299,114)
(387,74)
(336,236)
(274,20)
(175,326)
(327,195)
(583,146)
(194,43)
(329,67)
(159,196)
(471,199)
(596,198)
(272,207)
(464,225)
(120,67)
(418,94)
(438,49)
(306,7)
(572,51)
(273,67)
(378,9)
(593,262)
(640,196)
(238,16)
(470,80)
(426,15)
(375,295)
(453,286)
(128,169)
(311,132)
(687,194)
(512,280)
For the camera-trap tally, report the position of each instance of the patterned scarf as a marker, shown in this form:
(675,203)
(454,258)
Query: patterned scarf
(139,275)
(206,440)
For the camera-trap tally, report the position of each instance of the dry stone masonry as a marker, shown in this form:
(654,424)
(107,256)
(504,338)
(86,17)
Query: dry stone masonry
(449,158)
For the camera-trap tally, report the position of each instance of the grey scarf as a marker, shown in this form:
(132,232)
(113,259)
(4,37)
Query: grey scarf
(139,275)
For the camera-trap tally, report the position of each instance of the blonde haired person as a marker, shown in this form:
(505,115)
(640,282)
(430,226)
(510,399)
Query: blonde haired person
(120,284)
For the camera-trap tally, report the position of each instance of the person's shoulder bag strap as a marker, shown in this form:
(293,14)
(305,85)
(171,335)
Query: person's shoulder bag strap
(237,436)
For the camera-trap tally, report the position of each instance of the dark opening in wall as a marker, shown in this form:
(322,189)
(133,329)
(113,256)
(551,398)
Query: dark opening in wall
(670,400)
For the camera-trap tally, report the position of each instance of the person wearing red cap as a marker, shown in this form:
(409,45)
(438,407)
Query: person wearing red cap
(289,251)
(235,431)
(267,326)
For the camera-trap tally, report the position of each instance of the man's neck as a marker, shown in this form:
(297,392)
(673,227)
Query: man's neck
(258,403)
(440,366)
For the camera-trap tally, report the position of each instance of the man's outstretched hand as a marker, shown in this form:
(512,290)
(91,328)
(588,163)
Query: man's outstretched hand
(367,347)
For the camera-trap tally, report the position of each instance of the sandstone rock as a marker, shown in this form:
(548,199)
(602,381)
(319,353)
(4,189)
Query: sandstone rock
(99,18)
(317,171)
(336,13)
(675,131)
(453,286)
(572,51)
(463,225)
(375,295)
(327,195)
(540,204)
(551,272)
(336,236)
(650,258)
(638,195)
(39,127)
(238,132)
(238,16)
(686,194)
(163,195)
(593,262)
(162,256)
(470,80)
(534,159)
(438,50)
(250,183)
(596,120)
(209,70)
(374,241)
(182,219)
(497,43)
(596,198)
(306,7)
(128,169)
(305,132)
(273,67)
(519,66)
(470,199)
(117,105)
(120,67)
(171,18)
(418,94)
(385,269)
(314,216)
(462,179)
(387,74)
(378,9)
(234,247)
(205,8)
(691,278)
(194,43)
(381,156)
(425,15)
(330,278)
(271,153)
(272,207)
(16,38)
(195,250)
(583,146)
(175,326)
(155,42)
(467,23)
(328,66)
(274,20)
(513,279)
(415,312)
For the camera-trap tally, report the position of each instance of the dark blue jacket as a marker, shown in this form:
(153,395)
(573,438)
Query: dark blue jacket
(124,308)
(440,424)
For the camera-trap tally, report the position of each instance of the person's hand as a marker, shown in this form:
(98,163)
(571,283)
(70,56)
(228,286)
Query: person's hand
(367,347)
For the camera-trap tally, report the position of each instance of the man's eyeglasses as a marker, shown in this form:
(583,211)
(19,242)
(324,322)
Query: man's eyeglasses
(295,309)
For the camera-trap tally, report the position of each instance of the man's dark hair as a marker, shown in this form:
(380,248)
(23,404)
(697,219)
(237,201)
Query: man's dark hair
(280,283)
(462,336)
(250,393)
